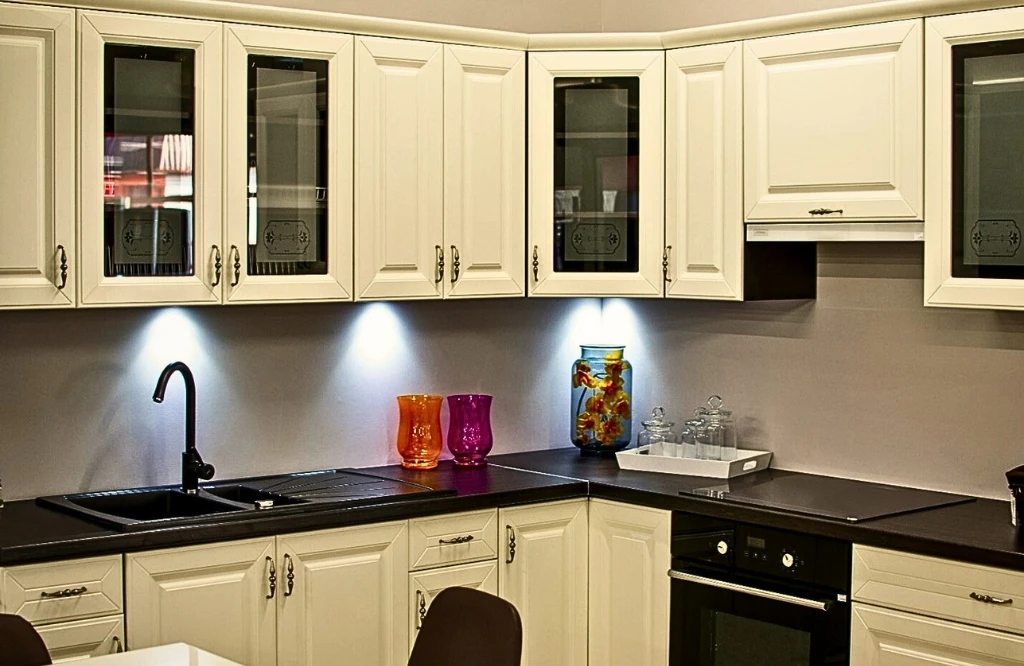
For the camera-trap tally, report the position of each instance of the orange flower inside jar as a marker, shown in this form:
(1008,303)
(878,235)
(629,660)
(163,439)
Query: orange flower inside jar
(602,388)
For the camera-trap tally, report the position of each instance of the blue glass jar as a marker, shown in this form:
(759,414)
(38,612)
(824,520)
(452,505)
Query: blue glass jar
(602,398)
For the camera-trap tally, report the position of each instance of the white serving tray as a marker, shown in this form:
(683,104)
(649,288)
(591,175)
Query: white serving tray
(747,461)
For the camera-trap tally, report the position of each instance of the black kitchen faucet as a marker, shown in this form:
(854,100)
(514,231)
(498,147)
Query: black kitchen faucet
(192,466)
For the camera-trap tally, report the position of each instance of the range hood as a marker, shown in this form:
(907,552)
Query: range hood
(835,231)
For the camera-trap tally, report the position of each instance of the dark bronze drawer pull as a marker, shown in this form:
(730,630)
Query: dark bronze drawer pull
(988,599)
(459,539)
(63,594)
(825,211)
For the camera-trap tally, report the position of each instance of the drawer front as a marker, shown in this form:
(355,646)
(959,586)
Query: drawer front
(425,585)
(444,540)
(57,591)
(81,639)
(940,588)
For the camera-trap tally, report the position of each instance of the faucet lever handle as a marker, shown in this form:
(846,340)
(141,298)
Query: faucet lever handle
(205,471)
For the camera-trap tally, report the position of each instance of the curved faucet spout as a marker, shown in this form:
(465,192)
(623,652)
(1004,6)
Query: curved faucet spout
(192,466)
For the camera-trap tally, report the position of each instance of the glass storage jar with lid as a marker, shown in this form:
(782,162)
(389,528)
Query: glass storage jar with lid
(657,435)
(716,440)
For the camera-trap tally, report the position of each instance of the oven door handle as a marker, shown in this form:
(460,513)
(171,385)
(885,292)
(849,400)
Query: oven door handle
(746,589)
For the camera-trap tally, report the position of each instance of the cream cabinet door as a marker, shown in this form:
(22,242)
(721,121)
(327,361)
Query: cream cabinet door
(73,641)
(704,172)
(649,209)
(942,34)
(882,637)
(425,585)
(484,171)
(158,172)
(399,162)
(215,597)
(544,574)
(833,124)
(630,556)
(289,113)
(37,157)
(343,597)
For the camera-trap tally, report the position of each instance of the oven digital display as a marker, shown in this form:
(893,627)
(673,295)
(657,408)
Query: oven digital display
(754,542)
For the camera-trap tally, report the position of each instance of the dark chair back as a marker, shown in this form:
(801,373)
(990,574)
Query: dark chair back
(20,644)
(468,627)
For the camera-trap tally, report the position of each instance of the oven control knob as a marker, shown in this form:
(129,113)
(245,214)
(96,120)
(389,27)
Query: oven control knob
(723,547)
(787,560)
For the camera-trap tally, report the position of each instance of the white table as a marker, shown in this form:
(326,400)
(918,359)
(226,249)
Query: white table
(177,654)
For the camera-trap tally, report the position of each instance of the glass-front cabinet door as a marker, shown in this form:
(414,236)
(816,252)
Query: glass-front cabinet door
(150,160)
(596,173)
(974,173)
(289,165)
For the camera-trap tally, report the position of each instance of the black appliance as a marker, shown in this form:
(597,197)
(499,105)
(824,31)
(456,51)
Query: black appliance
(745,595)
(1015,479)
(825,496)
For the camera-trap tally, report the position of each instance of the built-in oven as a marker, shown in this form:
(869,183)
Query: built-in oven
(745,595)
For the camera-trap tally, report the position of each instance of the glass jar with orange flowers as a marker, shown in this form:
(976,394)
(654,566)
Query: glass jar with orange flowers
(602,389)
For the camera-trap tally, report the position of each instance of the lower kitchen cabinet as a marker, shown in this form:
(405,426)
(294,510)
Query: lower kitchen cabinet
(544,574)
(216,597)
(630,555)
(343,596)
(425,585)
(883,637)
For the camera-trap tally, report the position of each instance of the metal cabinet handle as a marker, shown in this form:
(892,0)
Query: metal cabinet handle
(237,266)
(825,211)
(511,544)
(455,264)
(65,593)
(421,609)
(664,263)
(988,599)
(272,578)
(440,264)
(753,591)
(291,575)
(63,268)
(459,539)
(118,648)
(536,263)
(217,265)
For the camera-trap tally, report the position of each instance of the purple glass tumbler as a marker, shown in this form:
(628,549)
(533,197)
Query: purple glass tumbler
(469,428)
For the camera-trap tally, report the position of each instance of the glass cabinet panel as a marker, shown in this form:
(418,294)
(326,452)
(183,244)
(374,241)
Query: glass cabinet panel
(988,172)
(287,180)
(148,178)
(596,174)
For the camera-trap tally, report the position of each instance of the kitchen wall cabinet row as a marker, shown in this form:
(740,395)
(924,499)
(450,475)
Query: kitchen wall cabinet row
(152,160)
(216,163)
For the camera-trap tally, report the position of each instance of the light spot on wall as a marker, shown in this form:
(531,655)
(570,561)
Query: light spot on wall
(379,335)
(171,335)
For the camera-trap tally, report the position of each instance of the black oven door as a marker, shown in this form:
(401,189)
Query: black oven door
(729,620)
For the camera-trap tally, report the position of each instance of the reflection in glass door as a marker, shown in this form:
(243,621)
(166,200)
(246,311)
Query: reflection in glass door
(988,172)
(287,177)
(596,174)
(148,178)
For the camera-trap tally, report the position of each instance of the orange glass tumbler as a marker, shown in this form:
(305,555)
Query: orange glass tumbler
(419,430)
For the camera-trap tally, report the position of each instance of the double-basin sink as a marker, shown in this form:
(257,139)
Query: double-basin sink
(154,508)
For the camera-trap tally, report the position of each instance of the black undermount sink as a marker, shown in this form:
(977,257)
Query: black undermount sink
(155,508)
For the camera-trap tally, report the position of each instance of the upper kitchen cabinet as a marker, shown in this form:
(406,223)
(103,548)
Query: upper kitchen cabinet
(37,156)
(399,162)
(974,139)
(704,172)
(832,123)
(288,165)
(484,171)
(150,160)
(596,141)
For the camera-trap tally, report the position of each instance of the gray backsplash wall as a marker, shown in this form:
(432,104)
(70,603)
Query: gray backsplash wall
(863,382)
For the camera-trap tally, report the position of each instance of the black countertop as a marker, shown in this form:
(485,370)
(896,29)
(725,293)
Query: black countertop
(978,531)
(33,533)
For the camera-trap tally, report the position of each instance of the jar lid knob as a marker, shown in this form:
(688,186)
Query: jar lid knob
(658,413)
(715,402)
